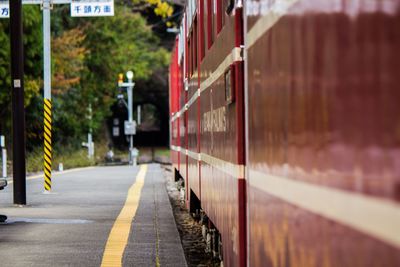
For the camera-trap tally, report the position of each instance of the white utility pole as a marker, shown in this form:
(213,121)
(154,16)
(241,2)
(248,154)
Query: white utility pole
(48,110)
(47,6)
(90,135)
(129,75)
(130,124)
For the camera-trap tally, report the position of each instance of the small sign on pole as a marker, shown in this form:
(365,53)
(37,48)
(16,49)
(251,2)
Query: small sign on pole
(130,127)
(92,8)
(116,131)
(4,9)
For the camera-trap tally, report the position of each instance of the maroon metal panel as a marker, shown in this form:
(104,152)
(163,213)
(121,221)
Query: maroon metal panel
(173,153)
(220,201)
(285,235)
(193,171)
(240,136)
(202,49)
(323,92)
(182,116)
(174,84)
(222,194)
(183,145)
(178,144)
(192,113)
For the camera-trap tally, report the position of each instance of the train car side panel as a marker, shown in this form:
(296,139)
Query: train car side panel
(221,187)
(323,137)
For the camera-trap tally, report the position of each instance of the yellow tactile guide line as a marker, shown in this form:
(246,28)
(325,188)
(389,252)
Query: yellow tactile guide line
(119,234)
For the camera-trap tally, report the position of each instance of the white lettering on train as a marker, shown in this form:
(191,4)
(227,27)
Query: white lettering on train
(214,120)
(192,129)
(265,7)
(182,130)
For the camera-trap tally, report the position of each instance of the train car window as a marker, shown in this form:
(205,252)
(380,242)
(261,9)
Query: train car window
(223,12)
(206,23)
(186,52)
(219,15)
(189,57)
(201,33)
(229,5)
(195,45)
(210,22)
(192,54)
(230,85)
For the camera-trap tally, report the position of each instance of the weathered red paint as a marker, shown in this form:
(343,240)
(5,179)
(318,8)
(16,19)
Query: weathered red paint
(323,87)
(193,185)
(221,193)
(174,83)
(285,235)
(202,48)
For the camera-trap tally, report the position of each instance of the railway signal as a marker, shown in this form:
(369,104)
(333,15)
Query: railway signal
(130,124)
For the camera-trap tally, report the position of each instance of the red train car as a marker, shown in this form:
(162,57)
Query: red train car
(177,101)
(174,105)
(289,130)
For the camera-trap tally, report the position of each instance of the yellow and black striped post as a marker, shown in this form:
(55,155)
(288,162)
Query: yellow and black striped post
(47,145)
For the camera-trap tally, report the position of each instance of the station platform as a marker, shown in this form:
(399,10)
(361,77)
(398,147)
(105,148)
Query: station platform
(100,216)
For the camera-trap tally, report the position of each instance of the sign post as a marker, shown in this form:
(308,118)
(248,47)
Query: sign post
(79,8)
(47,109)
(130,124)
(129,75)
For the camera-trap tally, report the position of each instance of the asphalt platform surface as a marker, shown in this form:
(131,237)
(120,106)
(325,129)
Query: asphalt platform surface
(71,226)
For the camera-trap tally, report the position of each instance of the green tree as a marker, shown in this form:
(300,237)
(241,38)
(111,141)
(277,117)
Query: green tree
(117,44)
(32,61)
(87,55)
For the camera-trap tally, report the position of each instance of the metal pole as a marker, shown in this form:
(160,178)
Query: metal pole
(46,49)
(47,96)
(18,114)
(90,145)
(130,117)
(139,114)
(3,156)
(4,159)
(90,135)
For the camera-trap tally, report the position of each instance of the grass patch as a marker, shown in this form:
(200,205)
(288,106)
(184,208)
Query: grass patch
(158,151)
(77,158)
(162,152)
(70,158)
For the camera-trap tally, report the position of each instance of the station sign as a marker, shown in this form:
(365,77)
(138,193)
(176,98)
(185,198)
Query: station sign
(4,9)
(79,8)
(92,8)
(130,128)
